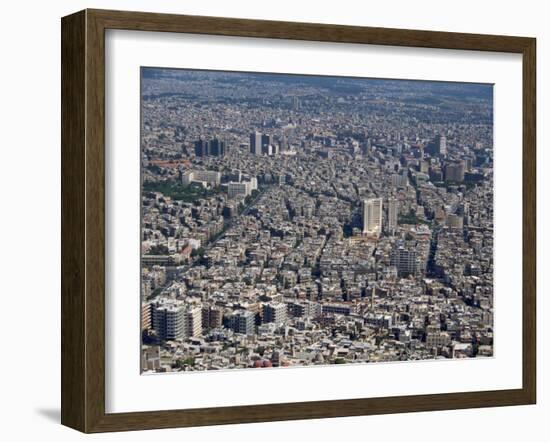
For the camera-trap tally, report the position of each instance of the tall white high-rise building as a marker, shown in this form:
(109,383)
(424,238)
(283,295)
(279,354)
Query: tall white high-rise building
(168,319)
(174,319)
(406,260)
(393,210)
(441,144)
(193,321)
(372,216)
(256,143)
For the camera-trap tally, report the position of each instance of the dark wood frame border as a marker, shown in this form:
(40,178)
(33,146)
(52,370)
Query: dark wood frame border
(83,216)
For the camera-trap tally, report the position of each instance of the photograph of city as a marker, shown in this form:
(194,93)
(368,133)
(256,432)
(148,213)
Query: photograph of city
(297,220)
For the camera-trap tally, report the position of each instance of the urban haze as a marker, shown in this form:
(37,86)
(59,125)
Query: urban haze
(292,220)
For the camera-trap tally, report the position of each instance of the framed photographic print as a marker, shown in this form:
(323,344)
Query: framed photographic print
(266,221)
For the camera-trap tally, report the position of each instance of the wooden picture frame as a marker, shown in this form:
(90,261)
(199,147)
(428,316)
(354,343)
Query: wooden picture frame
(83,220)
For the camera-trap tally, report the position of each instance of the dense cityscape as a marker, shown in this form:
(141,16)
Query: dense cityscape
(293,220)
